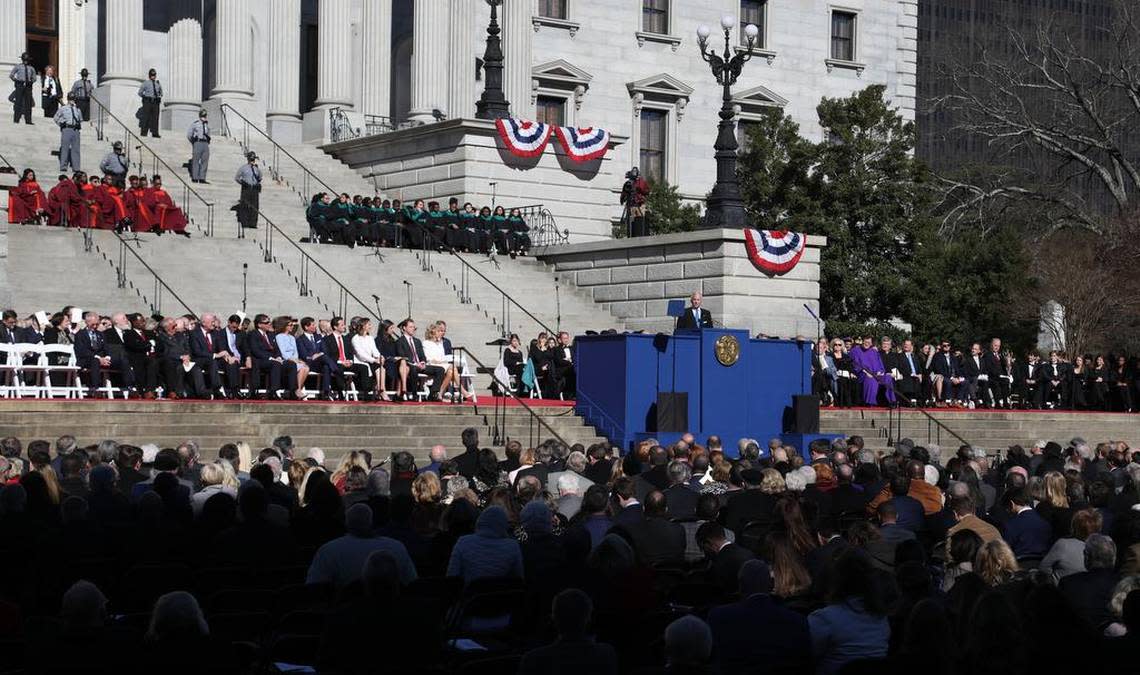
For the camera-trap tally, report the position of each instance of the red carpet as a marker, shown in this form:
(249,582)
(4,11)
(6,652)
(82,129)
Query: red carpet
(483,401)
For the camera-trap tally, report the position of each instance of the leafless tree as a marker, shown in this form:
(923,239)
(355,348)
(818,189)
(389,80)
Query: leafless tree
(1057,107)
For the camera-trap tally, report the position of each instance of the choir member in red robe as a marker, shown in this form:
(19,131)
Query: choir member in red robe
(26,201)
(169,217)
(142,218)
(89,190)
(112,206)
(64,203)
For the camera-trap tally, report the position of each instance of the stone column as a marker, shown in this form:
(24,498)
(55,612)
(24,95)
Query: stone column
(376,39)
(183,84)
(518,34)
(233,59)
(461,60)
(13,29)
(72,42)
(118,88)
(283,117)
(334,60)
(429,59)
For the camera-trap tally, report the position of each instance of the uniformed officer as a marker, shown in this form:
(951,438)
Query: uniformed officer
(82,89)
(150,91)
(70,120)
(116,164)
(23,76)
(199,137)
(249,178)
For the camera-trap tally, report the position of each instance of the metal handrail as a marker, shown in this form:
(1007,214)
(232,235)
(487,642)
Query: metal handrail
(544,229)
(618,431)
(340,127)
(506,297)
(156,161)
(121,273)
(278,150)
(896,415)
(7,163)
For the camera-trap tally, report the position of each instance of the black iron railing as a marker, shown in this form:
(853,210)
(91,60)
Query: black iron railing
(199,211)
(340,126)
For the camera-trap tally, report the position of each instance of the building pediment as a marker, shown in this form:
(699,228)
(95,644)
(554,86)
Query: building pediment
(561,70)
(759,96)
(663,85)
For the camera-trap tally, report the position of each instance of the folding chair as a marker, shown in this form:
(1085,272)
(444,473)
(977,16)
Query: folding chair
(71,387)
(11,371)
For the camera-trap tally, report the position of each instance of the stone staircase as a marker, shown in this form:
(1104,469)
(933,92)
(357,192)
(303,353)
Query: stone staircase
(992,430)
(336,428)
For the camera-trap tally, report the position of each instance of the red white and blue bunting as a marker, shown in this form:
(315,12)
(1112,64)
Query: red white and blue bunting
(585,144)
(523,138)
(775,252)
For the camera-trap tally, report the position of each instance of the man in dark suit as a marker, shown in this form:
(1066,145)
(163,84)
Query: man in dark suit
(1055,380)
(627,510)
(139,347)
(92,355)
(846,498)
(977,382)
(657,477)
(339,349)
(411,350)
(310,349)
(656,539)
(695,316)
(909,366)
(998,374)
(1026,532)
(725,558)
(680,499)
(758,629)
(174,346)
(1089,592)
(574,651)
(208,350)
(945,365)
(750,504)
(8,330)
(165,462)
(114,337)
(467,464)
(1027,380)
(266,357)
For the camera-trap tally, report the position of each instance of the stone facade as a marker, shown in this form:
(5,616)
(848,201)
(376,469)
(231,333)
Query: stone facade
(636,278)
(463,159)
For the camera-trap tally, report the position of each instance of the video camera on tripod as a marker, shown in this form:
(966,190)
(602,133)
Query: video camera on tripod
(634,194)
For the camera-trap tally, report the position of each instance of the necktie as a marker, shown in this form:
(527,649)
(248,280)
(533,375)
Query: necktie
(209,341)
(697,316)
(340,348)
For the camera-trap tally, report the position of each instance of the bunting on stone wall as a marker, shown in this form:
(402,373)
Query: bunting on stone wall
(584,144)
(775,252)
(523,138)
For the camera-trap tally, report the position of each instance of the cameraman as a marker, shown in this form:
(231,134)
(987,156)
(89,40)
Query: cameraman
(633,195)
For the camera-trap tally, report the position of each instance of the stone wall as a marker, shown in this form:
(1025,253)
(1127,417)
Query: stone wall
(636,278)
(465,159)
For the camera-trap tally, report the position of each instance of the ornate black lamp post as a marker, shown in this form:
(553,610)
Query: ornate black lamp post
(493,104)
(725,206)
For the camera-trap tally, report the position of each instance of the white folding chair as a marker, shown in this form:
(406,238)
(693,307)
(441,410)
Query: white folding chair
(31,381)
(69,370)
(466,377)
(11,367)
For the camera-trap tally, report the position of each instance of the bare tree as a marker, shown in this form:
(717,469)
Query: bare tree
(1057,106)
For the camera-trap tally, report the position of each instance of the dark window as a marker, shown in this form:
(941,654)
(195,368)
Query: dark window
(653,134)
(843,36)
(655,16)
(550,110)
(552,9)
(752,12)
(742,137)
(40,15)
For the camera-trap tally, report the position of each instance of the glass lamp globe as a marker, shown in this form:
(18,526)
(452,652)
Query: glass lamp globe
(703,32)
(727,21)
(751,31)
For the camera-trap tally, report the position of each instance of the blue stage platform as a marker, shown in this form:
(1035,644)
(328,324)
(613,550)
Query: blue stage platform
(619,379)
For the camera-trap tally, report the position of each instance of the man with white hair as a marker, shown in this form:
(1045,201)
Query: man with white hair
(341,561)
(438,455)
(317,455)
(576,464)
(209,349)
(569,494)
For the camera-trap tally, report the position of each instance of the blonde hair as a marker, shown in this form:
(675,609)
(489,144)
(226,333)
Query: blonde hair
(305,484)
(54,491)
(771,482)
(245,456)
(212,474)
(1055,490)
(350,460)
(432,332)
(995,562)
(527,457)
(426,488)
(1120,592)
(229,476)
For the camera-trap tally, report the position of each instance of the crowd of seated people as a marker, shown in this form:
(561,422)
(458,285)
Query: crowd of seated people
(368,221)
(677,559)
(246,357)
(78,201)
(848,372)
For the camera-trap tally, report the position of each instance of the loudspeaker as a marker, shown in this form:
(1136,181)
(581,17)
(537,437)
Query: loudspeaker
(805,414)
(673,411)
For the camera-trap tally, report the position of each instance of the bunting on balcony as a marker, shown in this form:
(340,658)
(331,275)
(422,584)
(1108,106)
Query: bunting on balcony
(775,252)
(585,144)
(523,138)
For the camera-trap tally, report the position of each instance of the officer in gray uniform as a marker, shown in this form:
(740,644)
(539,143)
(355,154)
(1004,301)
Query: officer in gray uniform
(150,91)
(70,120)
(199,137)
(249,178)
(83,89)
(116,164)
(23,76)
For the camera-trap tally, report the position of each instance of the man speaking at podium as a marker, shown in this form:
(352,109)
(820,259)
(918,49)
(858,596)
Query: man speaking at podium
(695,317)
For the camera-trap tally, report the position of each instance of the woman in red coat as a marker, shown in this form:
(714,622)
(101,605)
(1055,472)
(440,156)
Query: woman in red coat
(89,193)
(26,201)
(170,218)
(62,203)
(112,206)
